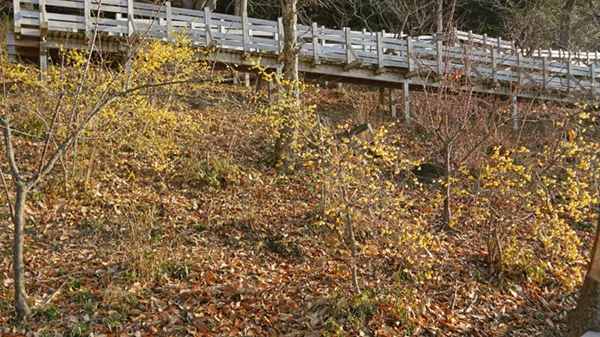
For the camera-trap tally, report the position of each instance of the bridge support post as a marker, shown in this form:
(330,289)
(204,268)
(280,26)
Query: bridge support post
(393,103)
(515,112)
(406,97)
(43,60)
(271,93)
(381,108)
(247,80)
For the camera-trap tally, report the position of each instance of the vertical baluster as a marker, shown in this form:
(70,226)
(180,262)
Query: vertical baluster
(130,12)
(169,21)
(408,52)
(315,43)
(208,27)
(280,34)
(17,17)
(43,19)
(87,17)
(245,32)
(569,72)
(364,47)
(494,66)
(380,51)
(348,45)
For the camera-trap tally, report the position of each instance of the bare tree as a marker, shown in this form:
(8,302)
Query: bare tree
(285,142)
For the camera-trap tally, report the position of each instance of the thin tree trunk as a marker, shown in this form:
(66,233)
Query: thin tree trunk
(447,215)
(439,17)
(350,229)
(236,8)
(287,135)
(21,305)
(565,22)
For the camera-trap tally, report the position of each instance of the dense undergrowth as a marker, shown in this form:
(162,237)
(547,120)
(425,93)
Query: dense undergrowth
(170,219)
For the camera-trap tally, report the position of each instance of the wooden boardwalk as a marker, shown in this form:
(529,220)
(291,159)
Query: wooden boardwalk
(492,65)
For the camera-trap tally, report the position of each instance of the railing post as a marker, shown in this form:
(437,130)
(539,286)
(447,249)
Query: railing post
(280,34)
(485,40)
(348,45)
(315,43)
(499,41)
(494,66)
(364,47)
(545,72)
(408,48)
(380,51)
(208,26)
(569,72)
(17,17)
(43,19)
(169,21)
(245,32)
(87,16)
(130,12)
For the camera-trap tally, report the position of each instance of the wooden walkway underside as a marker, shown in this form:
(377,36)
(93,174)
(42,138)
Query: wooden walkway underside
(491,66)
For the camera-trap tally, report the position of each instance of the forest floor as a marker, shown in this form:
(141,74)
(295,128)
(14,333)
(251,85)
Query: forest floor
(234,251)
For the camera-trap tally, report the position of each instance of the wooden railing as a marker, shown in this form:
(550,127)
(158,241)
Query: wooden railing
(510,46)
(497,64)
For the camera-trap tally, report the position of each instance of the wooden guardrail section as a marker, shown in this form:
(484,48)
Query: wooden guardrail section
(488,42)
(359,55)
